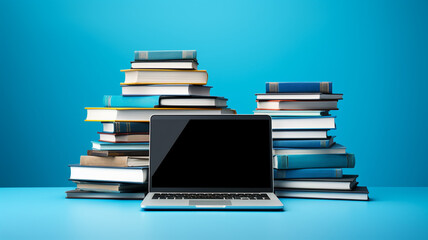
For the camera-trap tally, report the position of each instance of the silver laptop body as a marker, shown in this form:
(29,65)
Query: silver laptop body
(219,162)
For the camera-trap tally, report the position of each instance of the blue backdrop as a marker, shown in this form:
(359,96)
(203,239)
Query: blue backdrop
(58,57)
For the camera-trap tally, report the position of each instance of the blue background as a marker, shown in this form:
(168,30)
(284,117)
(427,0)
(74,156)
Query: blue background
(58,57)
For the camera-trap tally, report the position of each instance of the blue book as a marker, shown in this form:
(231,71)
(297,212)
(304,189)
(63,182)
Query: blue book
(314,161)
(126,127)
(309,173)
(131,101)
(299,87)
(305,143)
(97,145)
(165,55)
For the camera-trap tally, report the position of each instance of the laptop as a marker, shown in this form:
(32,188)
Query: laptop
(211,162)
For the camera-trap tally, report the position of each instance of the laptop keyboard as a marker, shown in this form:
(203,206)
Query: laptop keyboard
(235,196)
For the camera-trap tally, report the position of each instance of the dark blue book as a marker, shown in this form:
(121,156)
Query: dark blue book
(309,173)
(314,161)
(125,127)
(303,143)
(299,87)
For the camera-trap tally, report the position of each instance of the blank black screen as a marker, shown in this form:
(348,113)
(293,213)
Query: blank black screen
(215,154)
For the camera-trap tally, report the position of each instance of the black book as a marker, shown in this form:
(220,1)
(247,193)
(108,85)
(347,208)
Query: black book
(347,182)
(358,193)
(105,195)
(114,153)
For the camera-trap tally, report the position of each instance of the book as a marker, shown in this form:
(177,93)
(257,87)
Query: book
(298,96)
(335,149)
(165,55)
(296,105)
(308,173)
(299,87)
(183,89)
(97,145)
(358,193)
(118,161)
(192,101)
(300,134)
(287,123)
(347,182)
(314,161)
(125,127)
(108,174)
(131,101)
(165,76)
(288,113)
(110,187)
(113,153)
(124,137)
(105,195)
(303,143)
(144,114)
(169,64)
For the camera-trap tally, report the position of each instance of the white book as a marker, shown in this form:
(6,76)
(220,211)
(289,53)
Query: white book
(182,64)
(296,105)
(335,149)
(304,123)
(317,134)
(144,90)
(288,113)
(298,96)
(144,114)
(193,101)
(108,174)
(123,137)
(359,193)
(165,76)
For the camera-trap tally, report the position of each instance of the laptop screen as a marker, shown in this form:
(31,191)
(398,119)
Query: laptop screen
(218,153)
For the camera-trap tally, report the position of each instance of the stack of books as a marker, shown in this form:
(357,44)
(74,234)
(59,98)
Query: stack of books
(159,82)
(308,162)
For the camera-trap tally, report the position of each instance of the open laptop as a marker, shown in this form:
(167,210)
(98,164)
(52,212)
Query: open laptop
(211,162)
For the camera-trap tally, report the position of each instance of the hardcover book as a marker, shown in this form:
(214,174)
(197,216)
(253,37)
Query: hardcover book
(144,114)
(165,76)
(303,143)
(358,193)
(165,55)
(118,161)
(185,90)
(124,137)
(335,149)
(162,64)
(110,187)
(298,96)
(119,101)
(299,134)
(105,195)
(113,153)
(347,182)
(192,101)
(299,87)
(108,174)
(296,105)
(97,145)
(308,173)
(288,123)
(314,161)
(125,127)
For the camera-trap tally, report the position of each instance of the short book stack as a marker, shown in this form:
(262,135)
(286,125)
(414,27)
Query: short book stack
(159,82)
(308,162)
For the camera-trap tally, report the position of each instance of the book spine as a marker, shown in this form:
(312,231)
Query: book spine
(309,173)
(315,161)
(295,87)
(316,143)
(164,55)
(122,101)
(104,161)
(129,127)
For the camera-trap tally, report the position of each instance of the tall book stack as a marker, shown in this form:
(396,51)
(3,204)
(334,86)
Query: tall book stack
(158,82)
(307,161)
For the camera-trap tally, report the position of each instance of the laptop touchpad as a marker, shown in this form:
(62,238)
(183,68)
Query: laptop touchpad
(210,202)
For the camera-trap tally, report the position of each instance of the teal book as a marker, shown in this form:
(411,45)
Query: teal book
(314,161)
(308,173)
(117,101)
(165,55)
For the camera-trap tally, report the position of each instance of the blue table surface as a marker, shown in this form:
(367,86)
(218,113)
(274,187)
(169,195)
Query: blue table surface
(44,213)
